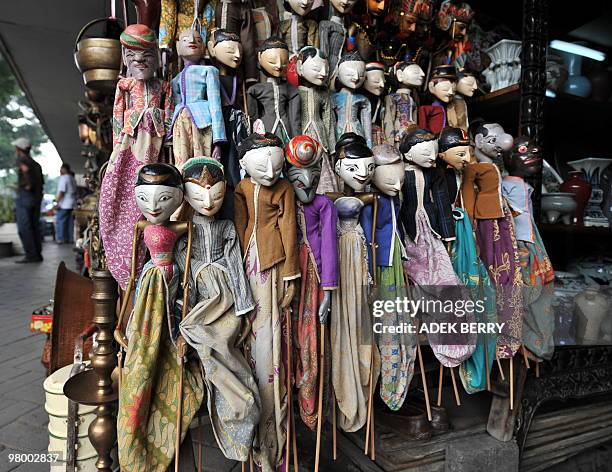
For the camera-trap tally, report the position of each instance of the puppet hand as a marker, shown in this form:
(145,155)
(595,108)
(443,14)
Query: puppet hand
(324,309)
(289,292)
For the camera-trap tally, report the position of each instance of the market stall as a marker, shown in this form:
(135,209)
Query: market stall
(286,198)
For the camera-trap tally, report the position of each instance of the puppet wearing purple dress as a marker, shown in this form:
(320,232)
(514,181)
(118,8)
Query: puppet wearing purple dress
(318,256)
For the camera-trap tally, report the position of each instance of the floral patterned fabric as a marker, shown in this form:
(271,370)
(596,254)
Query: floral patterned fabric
(118,210)
(178,15)
(429,266)
(149,394)
(354,353)
(188,141)
(397,351)
(499,253)
(265,344)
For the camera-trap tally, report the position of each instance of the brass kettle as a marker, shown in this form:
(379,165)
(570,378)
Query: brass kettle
(98,59)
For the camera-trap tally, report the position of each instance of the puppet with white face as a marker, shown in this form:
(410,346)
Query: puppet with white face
(441,87)
(299,31)
(350,317)
(150,330)
(401,106)
(374,88)
(318,256)
(198,128)
(397,351)
(265,218)
(219,297)
(333,32)
(317,113)
(457,109)
(352,110)
(274,105)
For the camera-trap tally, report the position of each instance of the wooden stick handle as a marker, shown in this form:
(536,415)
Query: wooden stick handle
(440,380)
(486,348)
(423,376)
(511,383)
(320,405)
(456,390)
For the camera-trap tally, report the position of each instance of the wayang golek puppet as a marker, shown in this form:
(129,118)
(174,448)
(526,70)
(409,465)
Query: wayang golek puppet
(333,33)
(401,106)
(355,356)
(317,114)
(397,351)
(219,299)
(524,161)
(373,88)
(352,110)
(457,109)
(298,32)
(274,104)
(318,257)
(454,155)
(155,355)
(454,19)
(491,218)
(198,128)
(141,114)
(441,87)
(266,225)
(225,49)
(428,223)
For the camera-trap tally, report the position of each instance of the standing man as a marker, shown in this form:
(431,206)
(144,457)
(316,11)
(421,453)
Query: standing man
(66,200)
(28,201)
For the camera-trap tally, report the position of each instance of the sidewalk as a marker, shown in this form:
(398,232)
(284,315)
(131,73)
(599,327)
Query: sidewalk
(23,421)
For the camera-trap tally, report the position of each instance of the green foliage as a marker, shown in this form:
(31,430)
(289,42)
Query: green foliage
(7,209)
(51,185)
(16,117)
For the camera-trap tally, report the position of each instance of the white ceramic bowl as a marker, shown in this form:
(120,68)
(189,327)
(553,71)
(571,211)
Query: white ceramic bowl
(558,206)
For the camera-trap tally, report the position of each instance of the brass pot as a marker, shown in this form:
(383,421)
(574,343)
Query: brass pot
(98,59)
(98,53)
(102,80)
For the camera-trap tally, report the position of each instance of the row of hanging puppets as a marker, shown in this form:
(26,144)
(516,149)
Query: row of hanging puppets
(272,225)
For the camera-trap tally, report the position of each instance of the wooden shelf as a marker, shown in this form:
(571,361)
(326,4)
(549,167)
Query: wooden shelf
(577,230)
(499,97)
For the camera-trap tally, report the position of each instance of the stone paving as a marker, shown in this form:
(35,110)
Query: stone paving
(23,420)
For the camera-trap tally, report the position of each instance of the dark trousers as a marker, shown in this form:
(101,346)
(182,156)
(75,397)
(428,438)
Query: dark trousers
(28,223)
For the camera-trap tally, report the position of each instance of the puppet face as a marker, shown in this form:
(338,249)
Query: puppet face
(313,70)
(205,199)
(228,53)
(141,64)
(264,165)
(351,74)
(524,159)
(356,173)
(305,181)
(411,76)
(457,157)
(423,154)
(343,6)
(389,178)
(301,7)
(467,85)
(443,90)
(190,45)
(274,61)
(494,143)
(158,202)
(376,7)
(375,82)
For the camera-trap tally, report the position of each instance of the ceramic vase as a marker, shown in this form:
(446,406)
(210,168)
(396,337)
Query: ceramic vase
(591,309)
(593,168)
(576,83)
(581,189)
(505,67)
